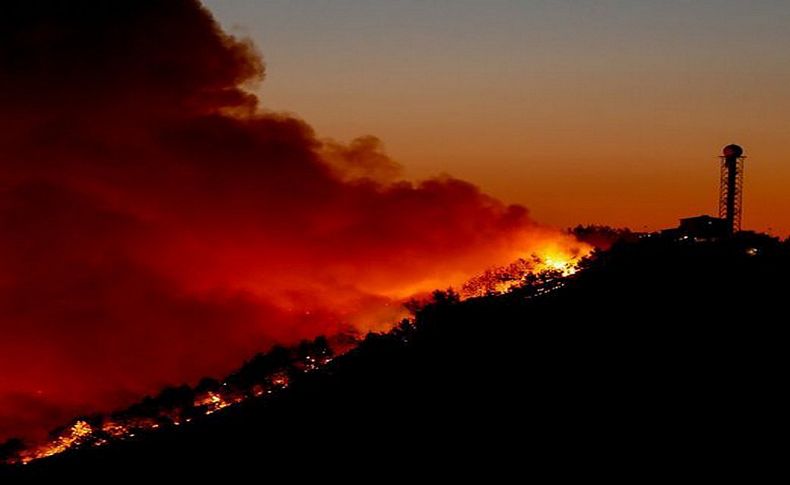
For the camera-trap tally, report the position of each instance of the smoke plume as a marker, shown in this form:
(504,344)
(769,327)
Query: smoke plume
(157,225)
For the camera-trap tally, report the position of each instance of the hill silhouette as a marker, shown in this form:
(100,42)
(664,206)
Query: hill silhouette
(659,354)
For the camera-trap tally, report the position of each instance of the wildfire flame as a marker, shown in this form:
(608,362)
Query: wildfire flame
(552,260)
(183,211)
(81,433)
(556,261)
(75,435)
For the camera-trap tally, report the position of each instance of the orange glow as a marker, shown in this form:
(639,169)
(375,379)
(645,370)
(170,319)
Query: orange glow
(280,380)
(212,402)
(162,229)
(582,118)
(564,263)
(81,433)
(115,429)
(75,435)
(551,258)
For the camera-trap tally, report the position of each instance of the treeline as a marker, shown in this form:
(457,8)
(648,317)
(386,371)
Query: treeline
(657,346)
(264,374)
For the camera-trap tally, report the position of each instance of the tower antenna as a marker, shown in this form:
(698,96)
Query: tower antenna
(731,187)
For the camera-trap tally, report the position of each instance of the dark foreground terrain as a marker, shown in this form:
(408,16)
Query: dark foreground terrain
(660,358)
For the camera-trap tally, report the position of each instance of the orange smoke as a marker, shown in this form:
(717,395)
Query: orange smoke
(157,226)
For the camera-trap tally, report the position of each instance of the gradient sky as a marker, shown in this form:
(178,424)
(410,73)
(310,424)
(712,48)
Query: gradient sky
(607,112)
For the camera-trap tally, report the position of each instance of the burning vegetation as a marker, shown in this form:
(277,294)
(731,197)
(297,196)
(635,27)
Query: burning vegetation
(263,375)
(638,333)
(271,372)
(542,267)
(191,228)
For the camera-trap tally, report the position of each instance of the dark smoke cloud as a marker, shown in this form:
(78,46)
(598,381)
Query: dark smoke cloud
(156,226)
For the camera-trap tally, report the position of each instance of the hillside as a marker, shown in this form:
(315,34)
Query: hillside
(658,354)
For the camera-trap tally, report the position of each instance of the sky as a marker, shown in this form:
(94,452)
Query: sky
(609,112)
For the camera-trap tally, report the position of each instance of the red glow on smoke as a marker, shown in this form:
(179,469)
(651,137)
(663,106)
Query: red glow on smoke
(158,226)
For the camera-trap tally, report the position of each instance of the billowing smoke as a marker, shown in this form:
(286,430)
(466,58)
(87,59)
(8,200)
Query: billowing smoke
(157,225)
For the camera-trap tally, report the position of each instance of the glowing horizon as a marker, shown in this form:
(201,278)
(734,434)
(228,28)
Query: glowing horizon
(612,113)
